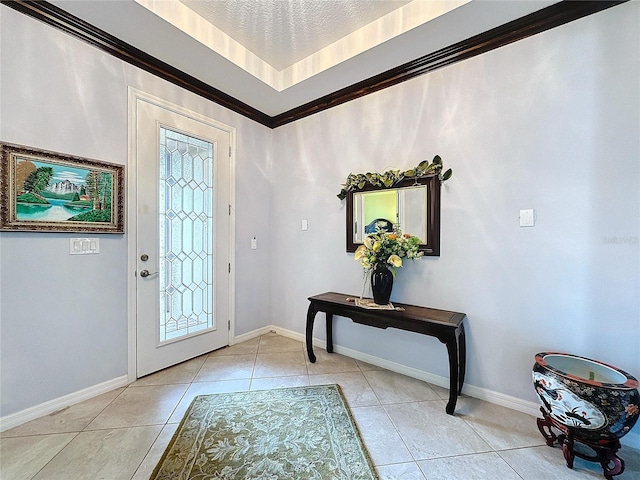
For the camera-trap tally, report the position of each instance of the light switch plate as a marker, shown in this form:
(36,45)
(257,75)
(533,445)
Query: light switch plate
(84,246)
(304,225)
(527,218)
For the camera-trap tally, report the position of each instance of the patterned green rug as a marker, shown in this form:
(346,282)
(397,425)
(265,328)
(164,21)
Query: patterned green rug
(300,433)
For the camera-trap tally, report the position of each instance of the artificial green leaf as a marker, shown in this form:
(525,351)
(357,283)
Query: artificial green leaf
(390,177)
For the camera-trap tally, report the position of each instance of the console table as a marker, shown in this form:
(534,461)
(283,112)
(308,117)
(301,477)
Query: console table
(444,325)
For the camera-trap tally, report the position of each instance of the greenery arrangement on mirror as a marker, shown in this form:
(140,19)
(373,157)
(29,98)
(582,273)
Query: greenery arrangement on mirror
(357,181)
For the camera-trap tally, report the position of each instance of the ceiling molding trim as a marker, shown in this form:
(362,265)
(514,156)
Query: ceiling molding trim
(392,25)
(524,27)
(519,29)
(62,20)
(186,20)
(395,23)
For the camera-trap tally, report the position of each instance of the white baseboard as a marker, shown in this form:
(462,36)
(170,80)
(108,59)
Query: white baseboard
(253,334)
(290,334)
(37,411)
(490,396)
(631,439)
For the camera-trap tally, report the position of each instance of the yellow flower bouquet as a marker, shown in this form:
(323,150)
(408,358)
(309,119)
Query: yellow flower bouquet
(384,249)
(381,253)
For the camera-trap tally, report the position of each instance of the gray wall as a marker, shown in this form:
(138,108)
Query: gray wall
(550,123)
(64,318)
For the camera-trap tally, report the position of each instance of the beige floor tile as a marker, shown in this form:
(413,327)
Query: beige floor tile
(102,454)
(184,372)
(243,348)
(409,436)
(157,449)
(481,466)
(631,457)
(23,457)
(380,437)
(401,471)
(365,367)
(429,432)
(391,387)
(226,367)
(500,427)
(279,382)
(330,363)
(272,343)
(71,419)
(207,388)
(137,406)
(546,463)
(355,387)
(543,463)
(443,393)
(280,364)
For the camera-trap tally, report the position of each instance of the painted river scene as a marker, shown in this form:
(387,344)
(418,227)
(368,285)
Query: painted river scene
(53,192)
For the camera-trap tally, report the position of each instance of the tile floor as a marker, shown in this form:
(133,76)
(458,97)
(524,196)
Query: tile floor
(120,435)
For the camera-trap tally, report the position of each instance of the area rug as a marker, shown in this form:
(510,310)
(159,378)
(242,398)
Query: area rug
(302,433)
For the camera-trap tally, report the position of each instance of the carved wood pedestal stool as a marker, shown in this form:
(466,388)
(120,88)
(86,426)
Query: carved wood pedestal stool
(604,453)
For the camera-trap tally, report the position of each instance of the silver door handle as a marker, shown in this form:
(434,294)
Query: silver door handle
(146,273)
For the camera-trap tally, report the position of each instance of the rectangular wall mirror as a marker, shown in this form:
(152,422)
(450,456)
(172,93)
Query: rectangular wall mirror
(410,205)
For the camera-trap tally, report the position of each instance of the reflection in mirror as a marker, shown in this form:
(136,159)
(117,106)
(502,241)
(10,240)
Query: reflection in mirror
(397,208)
(408,206)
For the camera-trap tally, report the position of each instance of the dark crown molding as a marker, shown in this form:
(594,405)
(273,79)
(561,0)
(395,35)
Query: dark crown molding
(537,22)
(519,29)
(62,20)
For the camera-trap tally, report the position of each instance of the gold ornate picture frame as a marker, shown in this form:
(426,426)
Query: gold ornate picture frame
(53,192)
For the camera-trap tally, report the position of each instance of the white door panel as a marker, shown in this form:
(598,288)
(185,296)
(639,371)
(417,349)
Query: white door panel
(183,197)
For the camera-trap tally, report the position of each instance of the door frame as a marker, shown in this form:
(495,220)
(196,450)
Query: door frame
(135,95)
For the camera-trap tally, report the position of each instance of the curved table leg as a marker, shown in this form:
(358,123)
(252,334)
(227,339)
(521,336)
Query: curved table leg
(452,350)
(329,332)
(311,315)
(462,358)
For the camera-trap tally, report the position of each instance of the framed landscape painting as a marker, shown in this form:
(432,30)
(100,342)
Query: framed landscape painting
(52,192)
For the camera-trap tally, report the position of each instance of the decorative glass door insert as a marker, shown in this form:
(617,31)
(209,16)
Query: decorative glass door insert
(186,227)
(182,175)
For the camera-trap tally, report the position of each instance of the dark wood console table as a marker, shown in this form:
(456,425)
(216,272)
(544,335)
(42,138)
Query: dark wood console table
(445,326)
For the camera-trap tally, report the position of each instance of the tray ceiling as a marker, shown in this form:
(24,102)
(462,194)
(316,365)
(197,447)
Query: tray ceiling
(284,32)
(278,55)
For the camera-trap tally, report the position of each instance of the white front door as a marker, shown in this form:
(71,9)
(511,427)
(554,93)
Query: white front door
(183,173)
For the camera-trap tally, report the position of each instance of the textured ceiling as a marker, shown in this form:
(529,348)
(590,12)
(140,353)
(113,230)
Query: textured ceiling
(170,31)
(283,32)
(285,42)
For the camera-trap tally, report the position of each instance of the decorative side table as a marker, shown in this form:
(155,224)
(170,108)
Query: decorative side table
(444,325)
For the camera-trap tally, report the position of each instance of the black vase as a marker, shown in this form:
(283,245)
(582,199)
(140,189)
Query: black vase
(381,284)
